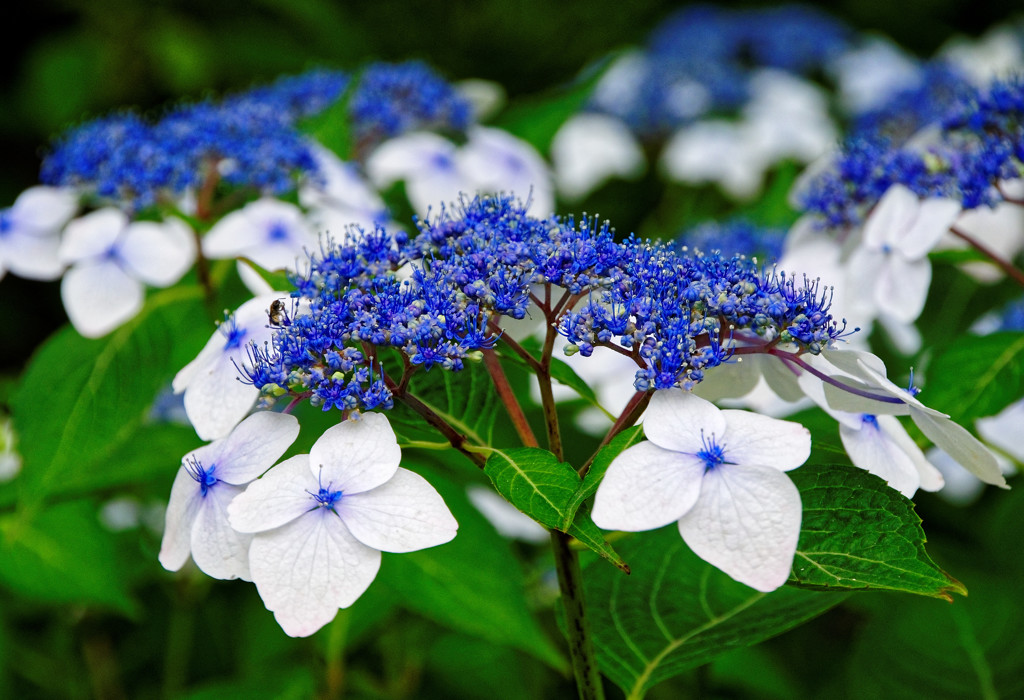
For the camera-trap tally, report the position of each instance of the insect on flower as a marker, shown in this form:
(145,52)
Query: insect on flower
(277,315)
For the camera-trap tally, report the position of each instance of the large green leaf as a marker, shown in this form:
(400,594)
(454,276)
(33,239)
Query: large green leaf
(916,648)
(858,533)
(82,401)
(675,611)
(472,583)
(62,554)
(330,127)
(547,490)
(977,376)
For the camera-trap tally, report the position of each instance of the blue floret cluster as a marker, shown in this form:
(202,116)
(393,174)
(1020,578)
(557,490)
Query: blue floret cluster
(714,50)
(249,140)
(978,142)
(252,139)
(441,295)
(737,236)
(394,99)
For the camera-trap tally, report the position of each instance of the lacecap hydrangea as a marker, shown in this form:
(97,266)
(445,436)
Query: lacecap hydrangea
(441,295)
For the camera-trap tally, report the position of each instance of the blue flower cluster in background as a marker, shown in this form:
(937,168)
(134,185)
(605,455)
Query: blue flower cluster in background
(737,236)
(701,59)
(250,139)
(394,99)
(980,141)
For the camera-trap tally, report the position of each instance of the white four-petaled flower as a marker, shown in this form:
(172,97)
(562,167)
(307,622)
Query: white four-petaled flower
(719,473)
(320,522)
(209,478)
(110,258)
(30,232)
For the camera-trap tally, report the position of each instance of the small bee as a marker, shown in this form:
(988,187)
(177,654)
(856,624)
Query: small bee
(277,316)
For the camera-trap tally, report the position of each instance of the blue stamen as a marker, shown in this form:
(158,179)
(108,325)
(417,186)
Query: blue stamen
(204,477)
(324,497)
(713,453)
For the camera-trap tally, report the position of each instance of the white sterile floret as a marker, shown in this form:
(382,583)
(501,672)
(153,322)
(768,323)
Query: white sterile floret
(30,232)
(870,378)
(719,473)
(496,161)
(892,261)
(271,233)
(591,148)
(111,258)
(426,163)
(216,398)
(715,151)
(196,520)
(341,197)
(320,521)
(878,444)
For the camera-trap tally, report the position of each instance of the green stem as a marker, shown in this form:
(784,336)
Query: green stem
(335,655)
(547,396)
(581,651)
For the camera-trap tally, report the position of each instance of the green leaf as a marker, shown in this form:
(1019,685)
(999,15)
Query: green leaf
(916,648)
(330,127)
(952,256)
(82,400)
(62,554)
(858,533)
(977,376)
(549,491)
(472,583)
(537,483)
(675,611)
(589,534)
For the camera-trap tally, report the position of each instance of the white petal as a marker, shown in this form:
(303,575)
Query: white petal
(750,438)
(679,421)
(254,445)
(216,400)
(647,487)
(30,256)
(229,237)
(45,209)
(871,449)
(508,520)
(158,253)
(217,549)
(1003,430)
(356,455)
(934,217)
(402,515)
(92,234)
(178,520)
(893,215)
(747,523)
(730,380)
(308,569)
(99,297)
(902,287)
(400,158)
(280,496)
(930,477)
(589,148)
(959,444)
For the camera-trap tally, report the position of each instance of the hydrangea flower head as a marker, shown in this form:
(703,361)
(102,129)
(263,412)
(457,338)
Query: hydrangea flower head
(209,478)
(320,522)
(719,475)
